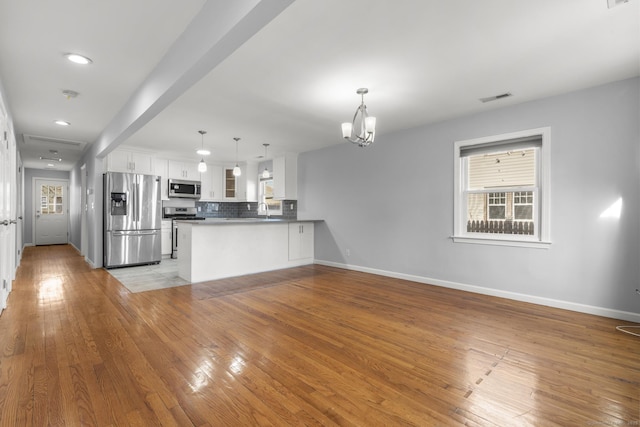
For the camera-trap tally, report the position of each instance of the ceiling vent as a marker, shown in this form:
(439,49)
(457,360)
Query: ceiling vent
(43,141)
(496,97)
(613,3)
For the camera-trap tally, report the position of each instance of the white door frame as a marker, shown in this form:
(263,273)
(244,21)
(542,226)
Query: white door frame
(83,211)
(36,203)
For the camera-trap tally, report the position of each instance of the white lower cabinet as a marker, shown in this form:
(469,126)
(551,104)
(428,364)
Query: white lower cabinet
(300,240)
(165,238)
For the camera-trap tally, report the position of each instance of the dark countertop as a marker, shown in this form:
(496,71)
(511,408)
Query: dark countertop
(236,221)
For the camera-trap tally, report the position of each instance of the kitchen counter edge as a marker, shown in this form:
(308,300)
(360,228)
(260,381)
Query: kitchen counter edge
(236,221)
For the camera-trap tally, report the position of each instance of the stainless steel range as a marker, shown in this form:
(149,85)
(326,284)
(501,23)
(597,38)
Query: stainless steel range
(177,213)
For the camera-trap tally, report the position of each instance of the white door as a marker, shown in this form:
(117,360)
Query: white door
(50,204)
(5,244)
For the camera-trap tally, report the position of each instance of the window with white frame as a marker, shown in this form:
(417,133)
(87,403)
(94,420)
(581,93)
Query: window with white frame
(265,197)
(502,189)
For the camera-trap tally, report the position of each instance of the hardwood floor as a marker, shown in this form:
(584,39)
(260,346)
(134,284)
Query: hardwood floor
(306,346)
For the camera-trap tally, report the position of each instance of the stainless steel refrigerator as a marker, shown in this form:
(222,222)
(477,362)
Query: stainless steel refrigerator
(132,219)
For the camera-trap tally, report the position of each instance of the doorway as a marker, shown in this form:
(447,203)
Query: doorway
(51,209)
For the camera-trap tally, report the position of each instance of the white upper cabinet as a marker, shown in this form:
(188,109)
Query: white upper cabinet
(250,181)
(236,188)
(241,185)
(230,184)
(125,160)
(184,170)
(285,177)
(211,180)
(162,169)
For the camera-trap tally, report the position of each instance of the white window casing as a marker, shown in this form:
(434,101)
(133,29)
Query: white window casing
(539,141)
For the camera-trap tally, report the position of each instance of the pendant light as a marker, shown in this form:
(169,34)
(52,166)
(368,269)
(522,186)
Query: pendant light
(236,170)
(202,166)
(362,129)
(265,172)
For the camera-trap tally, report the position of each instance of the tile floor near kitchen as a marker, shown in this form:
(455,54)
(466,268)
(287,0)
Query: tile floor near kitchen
(149,277)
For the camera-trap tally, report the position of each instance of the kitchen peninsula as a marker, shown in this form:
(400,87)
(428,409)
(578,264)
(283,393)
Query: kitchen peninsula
(218,248)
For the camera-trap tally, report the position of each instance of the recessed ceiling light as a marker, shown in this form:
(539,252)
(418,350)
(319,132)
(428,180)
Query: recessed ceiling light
(62,122)
(78,59)
(203,152)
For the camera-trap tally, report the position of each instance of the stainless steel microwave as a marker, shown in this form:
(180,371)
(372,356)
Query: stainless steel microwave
(184,189)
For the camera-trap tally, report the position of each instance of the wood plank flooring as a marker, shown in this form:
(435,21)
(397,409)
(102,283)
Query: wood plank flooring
(306,346)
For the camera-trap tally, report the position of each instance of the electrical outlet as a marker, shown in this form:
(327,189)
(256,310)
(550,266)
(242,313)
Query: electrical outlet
(348,252)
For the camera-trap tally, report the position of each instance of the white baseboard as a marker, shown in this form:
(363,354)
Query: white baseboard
(88,261)
(86,258)
(549,302)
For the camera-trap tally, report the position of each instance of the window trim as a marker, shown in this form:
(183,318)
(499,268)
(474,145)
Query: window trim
(543,240)
(262,198)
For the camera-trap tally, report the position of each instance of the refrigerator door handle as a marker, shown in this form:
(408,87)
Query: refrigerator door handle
(135,201)
(135,233)
(129,211)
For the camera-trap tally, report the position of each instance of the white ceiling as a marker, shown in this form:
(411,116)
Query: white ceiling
(294,81)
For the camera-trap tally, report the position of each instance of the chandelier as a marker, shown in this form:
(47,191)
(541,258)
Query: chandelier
(362,129)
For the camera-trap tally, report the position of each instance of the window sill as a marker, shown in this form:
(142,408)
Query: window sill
(501,242)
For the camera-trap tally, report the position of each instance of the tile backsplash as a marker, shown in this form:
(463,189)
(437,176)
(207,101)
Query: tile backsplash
(243,209)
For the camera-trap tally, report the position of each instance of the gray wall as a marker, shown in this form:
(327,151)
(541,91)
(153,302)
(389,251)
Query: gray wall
(75,210)
(29,213)
(391,205)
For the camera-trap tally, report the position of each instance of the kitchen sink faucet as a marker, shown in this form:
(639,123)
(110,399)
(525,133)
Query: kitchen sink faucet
(266,208)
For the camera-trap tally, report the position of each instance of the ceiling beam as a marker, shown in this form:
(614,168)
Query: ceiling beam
(216,32)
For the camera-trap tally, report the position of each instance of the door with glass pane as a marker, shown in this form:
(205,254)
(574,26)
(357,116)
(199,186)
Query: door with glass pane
(51,212)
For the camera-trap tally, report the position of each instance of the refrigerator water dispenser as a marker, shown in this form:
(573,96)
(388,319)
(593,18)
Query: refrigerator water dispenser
(118,203)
